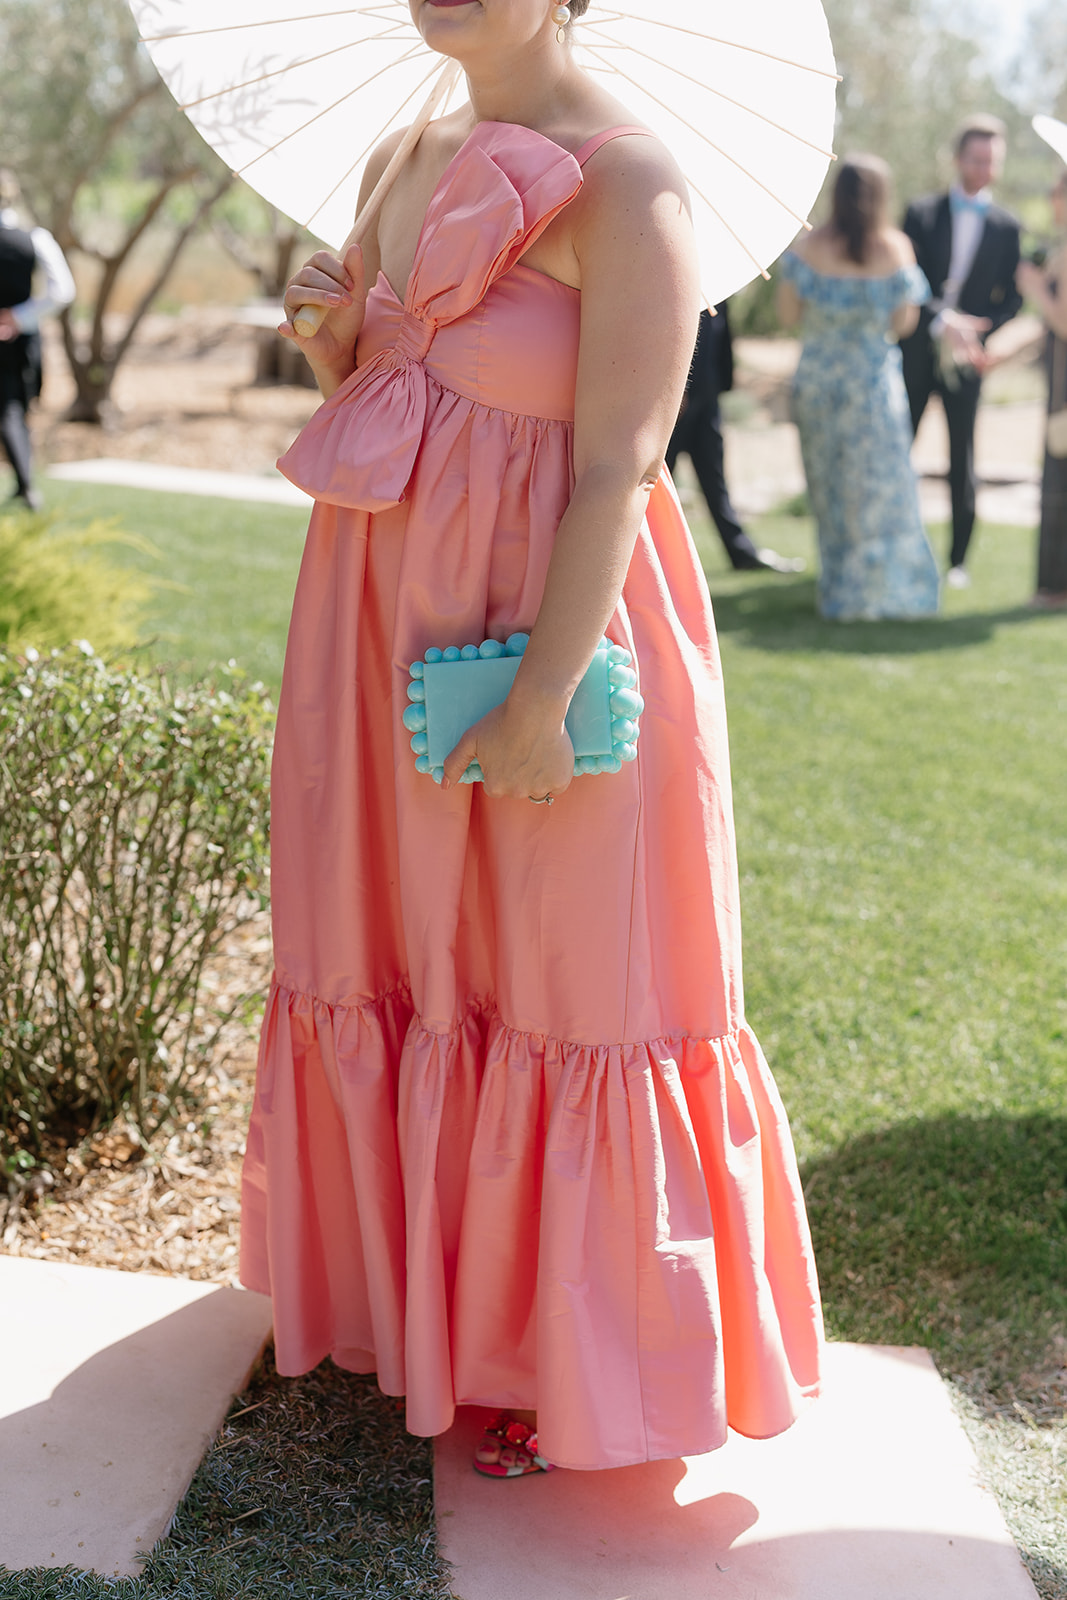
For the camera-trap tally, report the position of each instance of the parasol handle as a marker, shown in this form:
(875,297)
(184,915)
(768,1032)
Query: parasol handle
(307,320)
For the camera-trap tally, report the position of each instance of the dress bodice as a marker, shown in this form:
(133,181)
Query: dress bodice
(516,350)
(839,309)
(474,320)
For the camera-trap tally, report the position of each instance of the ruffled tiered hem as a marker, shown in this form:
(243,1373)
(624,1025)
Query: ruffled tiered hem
(614,1235)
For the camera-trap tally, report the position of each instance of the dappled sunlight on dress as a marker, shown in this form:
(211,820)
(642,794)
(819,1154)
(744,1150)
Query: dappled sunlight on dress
(513,1142)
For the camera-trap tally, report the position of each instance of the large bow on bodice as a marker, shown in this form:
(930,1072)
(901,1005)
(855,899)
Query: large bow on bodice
(499,192)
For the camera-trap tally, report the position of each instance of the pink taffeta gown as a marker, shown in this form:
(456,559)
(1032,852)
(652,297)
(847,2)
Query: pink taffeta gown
(513,1143)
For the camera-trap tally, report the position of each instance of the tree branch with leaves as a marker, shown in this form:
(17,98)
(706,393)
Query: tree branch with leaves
(90,123)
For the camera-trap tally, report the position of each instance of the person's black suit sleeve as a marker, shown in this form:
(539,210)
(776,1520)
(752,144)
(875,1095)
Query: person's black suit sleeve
(726,349)
(1012,302)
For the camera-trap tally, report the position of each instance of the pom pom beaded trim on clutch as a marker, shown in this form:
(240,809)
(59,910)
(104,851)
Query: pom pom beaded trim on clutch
(452,689)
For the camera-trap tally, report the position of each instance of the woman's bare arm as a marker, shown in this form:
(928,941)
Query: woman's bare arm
(634,244)
(904,321)
(905,318)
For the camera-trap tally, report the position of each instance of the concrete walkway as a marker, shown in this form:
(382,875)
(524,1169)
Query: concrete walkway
(763,468)
(272,489)
(112,1386)
(872,1495)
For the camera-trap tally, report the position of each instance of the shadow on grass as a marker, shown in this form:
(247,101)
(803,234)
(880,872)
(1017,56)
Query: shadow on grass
(781,615)
(951,1232)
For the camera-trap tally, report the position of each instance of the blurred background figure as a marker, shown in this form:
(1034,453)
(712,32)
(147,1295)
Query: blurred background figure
(698,434)
(854,289)
(968,248)
(1046,286)
(22,253)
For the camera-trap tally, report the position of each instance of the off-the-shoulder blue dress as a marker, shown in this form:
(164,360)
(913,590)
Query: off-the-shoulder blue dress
(851,409)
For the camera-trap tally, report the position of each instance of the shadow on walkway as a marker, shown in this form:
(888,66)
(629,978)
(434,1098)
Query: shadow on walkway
(870,1494)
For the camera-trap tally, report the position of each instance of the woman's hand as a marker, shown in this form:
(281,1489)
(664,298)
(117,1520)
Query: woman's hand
(523,753)
(338,286)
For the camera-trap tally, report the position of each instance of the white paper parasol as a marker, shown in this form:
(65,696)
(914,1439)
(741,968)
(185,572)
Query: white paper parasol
(295,97)
(1054,133)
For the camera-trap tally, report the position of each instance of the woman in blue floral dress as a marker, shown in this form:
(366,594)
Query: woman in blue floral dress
(854,289)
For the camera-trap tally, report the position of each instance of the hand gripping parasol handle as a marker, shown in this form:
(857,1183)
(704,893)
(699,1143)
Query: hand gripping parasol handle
(307,320)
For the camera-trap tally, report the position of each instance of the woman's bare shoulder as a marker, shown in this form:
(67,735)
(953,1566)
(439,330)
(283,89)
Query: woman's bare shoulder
(899,250)
(631,160)
(381,156)
(630,180)
(632,220)
(819,247)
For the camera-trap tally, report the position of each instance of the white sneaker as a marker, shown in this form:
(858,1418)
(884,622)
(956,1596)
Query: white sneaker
(958,578)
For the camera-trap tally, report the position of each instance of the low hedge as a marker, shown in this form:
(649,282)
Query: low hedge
(133,834)
(58,582)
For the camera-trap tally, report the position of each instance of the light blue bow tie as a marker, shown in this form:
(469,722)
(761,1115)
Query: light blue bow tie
(969,202)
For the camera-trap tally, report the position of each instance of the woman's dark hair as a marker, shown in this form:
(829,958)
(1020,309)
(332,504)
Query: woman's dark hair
(578,8)
(861,203)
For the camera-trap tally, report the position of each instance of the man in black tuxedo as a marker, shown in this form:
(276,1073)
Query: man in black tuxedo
(22,253)
(969,250)
(698,434)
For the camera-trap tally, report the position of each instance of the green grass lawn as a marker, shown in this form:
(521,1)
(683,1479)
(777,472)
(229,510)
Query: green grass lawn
(225,571)
(901,798)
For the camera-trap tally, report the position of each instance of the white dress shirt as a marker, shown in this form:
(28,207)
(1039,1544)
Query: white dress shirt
(59,288)
(967,229)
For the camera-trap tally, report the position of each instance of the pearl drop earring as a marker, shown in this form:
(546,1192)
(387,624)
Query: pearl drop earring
(561,15)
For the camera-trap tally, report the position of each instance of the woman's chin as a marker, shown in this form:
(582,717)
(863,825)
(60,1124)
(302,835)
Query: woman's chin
(442,20)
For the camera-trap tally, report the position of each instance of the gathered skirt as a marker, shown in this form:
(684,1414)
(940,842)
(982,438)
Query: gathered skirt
(513,1141)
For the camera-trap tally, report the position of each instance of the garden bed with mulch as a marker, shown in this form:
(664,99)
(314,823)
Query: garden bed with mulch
(110,1201)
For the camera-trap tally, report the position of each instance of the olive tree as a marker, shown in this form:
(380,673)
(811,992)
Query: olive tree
(105,158)
(1040,73)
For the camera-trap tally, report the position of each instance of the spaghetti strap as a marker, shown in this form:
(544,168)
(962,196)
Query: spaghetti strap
(591,146)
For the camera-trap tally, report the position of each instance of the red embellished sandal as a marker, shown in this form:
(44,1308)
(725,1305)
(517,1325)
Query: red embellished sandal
(509,1449)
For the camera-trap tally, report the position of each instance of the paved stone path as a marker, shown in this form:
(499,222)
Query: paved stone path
(112,1386)
(872,1495)
(272,488)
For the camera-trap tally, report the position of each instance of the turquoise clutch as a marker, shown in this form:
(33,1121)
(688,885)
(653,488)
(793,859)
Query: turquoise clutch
(450,690)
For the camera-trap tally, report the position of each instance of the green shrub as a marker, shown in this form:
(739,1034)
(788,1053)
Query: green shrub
(133,825)
(752,310)
(56,585)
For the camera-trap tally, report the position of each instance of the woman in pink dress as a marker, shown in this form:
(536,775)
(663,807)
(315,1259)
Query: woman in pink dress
(513,1143)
